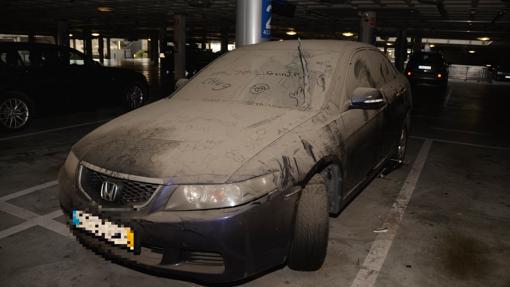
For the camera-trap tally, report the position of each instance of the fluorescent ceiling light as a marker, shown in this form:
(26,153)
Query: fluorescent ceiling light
(471,51)
(95,34)
(432,45)
(389,44)
(291,33)
(104,9)
(347,34)
(483,38)
(70,35)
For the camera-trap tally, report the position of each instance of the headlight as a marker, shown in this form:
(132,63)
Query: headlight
(71,164)
(189,197)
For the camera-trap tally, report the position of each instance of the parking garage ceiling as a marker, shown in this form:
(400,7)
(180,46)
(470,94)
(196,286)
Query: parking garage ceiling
(313,18)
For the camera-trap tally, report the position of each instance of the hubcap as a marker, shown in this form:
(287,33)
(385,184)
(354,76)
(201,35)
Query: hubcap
(402,145)
(134,97)
(14,113)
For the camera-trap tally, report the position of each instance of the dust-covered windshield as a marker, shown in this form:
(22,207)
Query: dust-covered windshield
(265,78)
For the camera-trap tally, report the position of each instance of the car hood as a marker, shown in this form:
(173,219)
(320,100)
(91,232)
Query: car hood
(185,141)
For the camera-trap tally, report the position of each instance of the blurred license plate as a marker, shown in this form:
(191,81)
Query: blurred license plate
(424,67)
(118,235)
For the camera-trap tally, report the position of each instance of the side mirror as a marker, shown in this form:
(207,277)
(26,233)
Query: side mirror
(181,83)
(367,98)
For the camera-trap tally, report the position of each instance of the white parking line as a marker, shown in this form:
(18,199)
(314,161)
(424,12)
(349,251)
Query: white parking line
(374,261)
(460,131)
(32,218)
(28,190)
(45,221)
(17,211)
(53,130)
(462,143)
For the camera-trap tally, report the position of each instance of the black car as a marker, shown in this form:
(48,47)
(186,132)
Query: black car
(502,73)
(39,79)
(427,68)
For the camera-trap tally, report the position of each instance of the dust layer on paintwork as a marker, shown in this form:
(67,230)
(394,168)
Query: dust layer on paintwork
(195,140)
(265,78)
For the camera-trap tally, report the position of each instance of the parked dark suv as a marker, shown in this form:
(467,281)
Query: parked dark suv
(41,78)
(427,68)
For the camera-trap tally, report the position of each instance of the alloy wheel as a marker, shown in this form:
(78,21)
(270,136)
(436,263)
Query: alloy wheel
(134,97)
(14,113)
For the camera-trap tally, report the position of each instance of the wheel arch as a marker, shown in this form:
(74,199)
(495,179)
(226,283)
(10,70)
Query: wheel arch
(331,170)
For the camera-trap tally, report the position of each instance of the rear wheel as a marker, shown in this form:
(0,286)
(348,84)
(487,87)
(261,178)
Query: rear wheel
(311,229)
(16,111)
(400,151)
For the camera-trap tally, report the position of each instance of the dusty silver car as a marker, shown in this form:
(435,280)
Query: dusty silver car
(240,169)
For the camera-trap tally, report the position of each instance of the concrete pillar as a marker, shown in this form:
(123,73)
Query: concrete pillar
(100,49)
(87,43)
(180,46)
(367,29)
(224,41)
(153,49)
(253,21)
(62,34)
(417,43)
(401,50)
(108,48)
(162,39)
(204,40)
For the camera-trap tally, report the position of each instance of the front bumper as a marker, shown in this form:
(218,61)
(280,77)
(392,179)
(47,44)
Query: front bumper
(221,245)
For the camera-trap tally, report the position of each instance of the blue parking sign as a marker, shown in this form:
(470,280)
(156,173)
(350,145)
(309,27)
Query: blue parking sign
(266,19)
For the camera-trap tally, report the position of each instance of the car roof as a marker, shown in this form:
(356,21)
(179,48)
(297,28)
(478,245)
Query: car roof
(332,45)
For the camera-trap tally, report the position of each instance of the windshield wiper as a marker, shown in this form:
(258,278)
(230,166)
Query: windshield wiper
(306,103)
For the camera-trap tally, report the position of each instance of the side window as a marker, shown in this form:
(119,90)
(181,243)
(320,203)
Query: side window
(10,58)
(51,58)
(383,70)
(359,73)
(363,75)
(76,59)
(25,57)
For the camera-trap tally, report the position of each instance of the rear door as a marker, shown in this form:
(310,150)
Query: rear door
(51,78)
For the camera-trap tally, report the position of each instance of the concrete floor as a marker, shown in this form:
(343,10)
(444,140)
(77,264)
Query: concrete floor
(451,226)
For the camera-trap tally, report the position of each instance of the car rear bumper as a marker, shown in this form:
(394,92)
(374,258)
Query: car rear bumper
(222,245)
(431,80)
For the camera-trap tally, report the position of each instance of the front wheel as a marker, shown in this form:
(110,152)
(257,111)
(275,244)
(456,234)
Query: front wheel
(311,229)
(16,111)
(135,96)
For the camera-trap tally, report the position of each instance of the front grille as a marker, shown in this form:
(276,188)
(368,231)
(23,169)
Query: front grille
(130,193)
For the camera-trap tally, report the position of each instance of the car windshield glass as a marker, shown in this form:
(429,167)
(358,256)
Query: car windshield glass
(265,78)
(429,58)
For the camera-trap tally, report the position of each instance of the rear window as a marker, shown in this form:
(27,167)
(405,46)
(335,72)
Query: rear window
(431,58)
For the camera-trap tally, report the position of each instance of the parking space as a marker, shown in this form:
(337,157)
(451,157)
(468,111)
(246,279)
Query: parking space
(440,220)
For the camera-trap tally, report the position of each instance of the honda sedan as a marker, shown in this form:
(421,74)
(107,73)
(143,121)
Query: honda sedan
(240,169)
